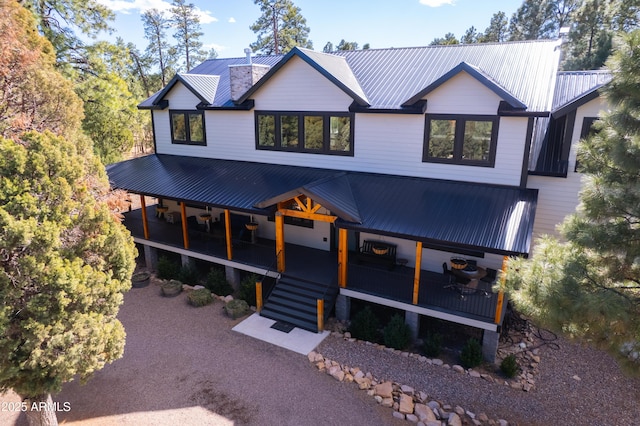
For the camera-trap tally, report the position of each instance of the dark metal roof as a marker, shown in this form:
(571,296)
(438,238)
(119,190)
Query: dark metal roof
(574,85)
(523,73)
(491,218)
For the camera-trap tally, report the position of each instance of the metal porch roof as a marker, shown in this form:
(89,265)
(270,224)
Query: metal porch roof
(491,218)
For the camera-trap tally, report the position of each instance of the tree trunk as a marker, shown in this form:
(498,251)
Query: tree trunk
(41,410)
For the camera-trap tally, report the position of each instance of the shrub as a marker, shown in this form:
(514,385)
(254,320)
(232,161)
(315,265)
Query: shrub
(167,269)
(365,325)
(247,291)
(432,344)
(171,288)
(509,366)
(397,334)
(236,308)
(217,282)
(200,297)
(471,355)
(189,274)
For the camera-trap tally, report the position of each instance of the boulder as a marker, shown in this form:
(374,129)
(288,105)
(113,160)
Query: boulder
(385,389)
(424,413)
(406,404)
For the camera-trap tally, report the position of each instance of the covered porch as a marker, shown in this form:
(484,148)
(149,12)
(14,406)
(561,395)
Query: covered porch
(365,282)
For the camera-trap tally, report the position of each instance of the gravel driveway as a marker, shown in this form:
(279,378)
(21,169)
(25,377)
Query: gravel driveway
(184,366)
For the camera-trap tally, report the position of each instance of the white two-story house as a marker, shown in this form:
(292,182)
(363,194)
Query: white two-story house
(369,175)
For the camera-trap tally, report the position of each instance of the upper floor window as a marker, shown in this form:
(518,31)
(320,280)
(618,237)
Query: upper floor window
(318,132)
(187,127)
(456,139)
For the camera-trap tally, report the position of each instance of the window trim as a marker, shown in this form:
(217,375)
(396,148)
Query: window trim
(185,114)
(458,142)
(326,127)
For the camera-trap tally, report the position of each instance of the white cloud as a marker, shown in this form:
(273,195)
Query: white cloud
(437,3)
(124,6)
(219,48)
(232,20)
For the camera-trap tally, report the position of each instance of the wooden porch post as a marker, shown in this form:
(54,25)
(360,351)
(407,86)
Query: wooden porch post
(280,241)
(320,307)
(145,223)
(500,292)
(258,296)
(343,250)
(185,229)
(227,233)
(418,268)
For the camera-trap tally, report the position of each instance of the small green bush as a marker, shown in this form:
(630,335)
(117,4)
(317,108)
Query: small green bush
(432,344)
(236,308)
(167,269)
(397,334)
(247,291)
(509,366)
(471,355)
(189,274)
(200,297)
(217,282)
(365,325)
(171,288)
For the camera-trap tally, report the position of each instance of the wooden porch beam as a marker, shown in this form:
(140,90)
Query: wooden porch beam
(227,233)
(310,216)
(343,250)
(145,221)
(280,241)
(418,268)
(498,315)
(185,228)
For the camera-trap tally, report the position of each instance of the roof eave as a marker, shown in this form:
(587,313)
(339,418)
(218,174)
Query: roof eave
(576,103)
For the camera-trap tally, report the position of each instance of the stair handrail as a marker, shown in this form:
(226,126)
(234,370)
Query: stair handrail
(334,283)
(259,300)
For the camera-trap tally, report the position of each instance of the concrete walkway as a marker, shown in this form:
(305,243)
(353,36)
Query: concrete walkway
(185,365)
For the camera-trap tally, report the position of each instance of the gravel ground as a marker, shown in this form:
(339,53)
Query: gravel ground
(600,395)
(184,365)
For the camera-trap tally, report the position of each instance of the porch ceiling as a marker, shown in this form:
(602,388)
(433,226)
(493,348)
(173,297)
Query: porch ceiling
(491,218)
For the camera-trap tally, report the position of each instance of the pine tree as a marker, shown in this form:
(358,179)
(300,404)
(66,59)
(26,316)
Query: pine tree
(155,25)
(589,286)
(498,29)
(187,32)
(280,28)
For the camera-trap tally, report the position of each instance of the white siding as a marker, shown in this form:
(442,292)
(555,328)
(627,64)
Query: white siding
(558,197)
(463,94)
(384,143)
(179,98)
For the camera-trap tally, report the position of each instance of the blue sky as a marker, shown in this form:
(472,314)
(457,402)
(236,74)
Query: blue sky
(399,23)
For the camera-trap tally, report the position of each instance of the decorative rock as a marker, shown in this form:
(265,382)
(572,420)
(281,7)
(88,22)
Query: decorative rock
(320,365)
(407,389)
(423,396)
(378,399)
(406,404)
(437,361)
(576,378)
(459,410)
(198,287)
(387,402)
(363,383)
(458,368)
(424,413)
(487,377)
(358,375)
(384,390)
(470,414)
(228,298)
(412,418)
(336,373)
(476,422)
(398,415)
(318,358)
(347,335)
(312,356)
(434,405)
(433,423)
(474,373)
(454,420)
(483,417)
(503,422)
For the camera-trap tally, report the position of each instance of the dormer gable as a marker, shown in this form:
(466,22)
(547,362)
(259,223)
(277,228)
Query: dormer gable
(334,68)
(203,86)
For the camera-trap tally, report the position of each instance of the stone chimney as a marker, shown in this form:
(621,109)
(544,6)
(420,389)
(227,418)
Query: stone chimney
(243,76)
